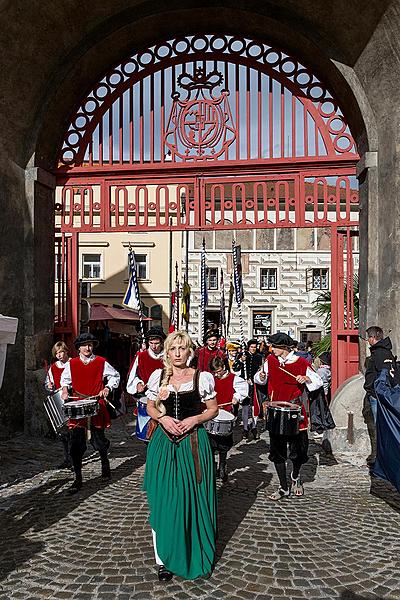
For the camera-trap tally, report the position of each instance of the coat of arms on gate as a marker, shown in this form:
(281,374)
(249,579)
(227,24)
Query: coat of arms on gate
(200,127)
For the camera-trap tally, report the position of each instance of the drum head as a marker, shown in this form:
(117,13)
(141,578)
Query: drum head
(224,415)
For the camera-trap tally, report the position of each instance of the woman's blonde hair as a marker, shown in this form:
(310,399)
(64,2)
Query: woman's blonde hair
(185,340)
(58,346)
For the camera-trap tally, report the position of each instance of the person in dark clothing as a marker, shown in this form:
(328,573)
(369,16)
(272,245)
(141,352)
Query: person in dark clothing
(302,351)
(246,366)
(381,358)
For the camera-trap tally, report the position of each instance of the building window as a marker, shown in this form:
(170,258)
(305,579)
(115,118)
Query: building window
(91,266)
(262,323)
(212,278)
(141,266)
(268,279)
(320,279)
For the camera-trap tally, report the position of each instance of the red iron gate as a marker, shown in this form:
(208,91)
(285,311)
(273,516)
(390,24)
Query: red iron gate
(211,132)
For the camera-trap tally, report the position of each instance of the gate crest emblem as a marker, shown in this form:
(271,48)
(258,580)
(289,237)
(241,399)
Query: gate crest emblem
(200,126)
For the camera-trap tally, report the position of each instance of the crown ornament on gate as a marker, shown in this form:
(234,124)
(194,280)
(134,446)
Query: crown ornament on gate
(200,126)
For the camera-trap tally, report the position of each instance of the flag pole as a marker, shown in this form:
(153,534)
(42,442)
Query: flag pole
(203,290)
(134,282)
(238,296)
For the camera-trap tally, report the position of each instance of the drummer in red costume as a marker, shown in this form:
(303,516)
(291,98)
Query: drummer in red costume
(86,375)
(203,356)
(287,375)
(52,384)
(230,389)
(143,365)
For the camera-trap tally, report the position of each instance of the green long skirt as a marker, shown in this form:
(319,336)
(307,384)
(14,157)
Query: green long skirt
(183,513)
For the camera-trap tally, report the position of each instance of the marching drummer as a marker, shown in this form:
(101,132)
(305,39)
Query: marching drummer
(52,383)
(287,375)
(231,390)
(86,374)
(143,365)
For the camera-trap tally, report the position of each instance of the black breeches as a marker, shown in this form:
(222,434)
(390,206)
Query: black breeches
(78,446)
(298,448)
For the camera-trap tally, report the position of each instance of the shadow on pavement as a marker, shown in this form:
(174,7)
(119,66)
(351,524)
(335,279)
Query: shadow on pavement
(385,491)
(247,476)
(43,507)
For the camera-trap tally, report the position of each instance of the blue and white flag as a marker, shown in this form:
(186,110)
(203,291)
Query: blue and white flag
(132,296)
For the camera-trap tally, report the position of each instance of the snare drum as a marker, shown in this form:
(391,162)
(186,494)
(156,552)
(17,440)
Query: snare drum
(54,407)
(222,424)
(283,418)
(81,409)
(142,419)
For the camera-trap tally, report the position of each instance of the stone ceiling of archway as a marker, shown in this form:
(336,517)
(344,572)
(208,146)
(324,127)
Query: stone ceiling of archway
(52,52)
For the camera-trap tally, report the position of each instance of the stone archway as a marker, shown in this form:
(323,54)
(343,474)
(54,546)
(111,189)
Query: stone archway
(33,121)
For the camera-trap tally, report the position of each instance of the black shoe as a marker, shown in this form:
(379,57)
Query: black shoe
(75,487)
(65,465)
(245,435)
(105,473)
(224,474)
(164,574)
(255,434)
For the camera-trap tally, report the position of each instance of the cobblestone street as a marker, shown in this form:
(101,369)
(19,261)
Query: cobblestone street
(338,541)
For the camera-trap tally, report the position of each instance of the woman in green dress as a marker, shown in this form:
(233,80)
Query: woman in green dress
(179,477)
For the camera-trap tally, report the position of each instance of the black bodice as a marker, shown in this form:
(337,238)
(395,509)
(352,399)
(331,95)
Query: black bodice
(181,405)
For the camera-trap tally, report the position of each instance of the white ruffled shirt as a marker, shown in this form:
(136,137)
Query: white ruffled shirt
(206,386)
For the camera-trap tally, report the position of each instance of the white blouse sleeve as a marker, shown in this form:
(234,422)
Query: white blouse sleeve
(316,381)
(206,386)
(153,385)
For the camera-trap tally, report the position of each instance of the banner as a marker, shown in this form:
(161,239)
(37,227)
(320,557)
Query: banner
(203,290)
(230,303)
(222,315)
(132,295)
(174,321)
(186,302)
(237,269)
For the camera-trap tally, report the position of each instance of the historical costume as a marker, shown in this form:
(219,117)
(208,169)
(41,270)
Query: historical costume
(246,365)
(143,365)
(231,390)
(287,375)
(86,374)
(52,384)
(204,355)
(179,477)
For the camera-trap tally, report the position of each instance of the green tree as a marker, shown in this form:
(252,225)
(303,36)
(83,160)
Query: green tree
(323,308)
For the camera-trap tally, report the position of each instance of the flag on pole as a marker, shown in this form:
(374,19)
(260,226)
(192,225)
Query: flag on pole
(230,303)
(222,315)
(186,302)
(203,290)
(238,280)
(174,322)
(132,296)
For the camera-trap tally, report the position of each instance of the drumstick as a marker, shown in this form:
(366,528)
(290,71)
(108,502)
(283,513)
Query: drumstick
(288,372)
(225,404)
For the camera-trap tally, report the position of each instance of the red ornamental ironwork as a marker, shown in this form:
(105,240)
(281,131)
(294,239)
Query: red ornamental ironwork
(200,127)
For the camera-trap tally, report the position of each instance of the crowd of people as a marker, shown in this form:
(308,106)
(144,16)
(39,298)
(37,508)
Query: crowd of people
(188,401)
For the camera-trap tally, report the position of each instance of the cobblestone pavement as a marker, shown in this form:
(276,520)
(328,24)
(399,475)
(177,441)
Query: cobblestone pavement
(338,541)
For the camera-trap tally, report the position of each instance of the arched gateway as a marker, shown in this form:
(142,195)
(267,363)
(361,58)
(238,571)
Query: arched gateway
(212,132)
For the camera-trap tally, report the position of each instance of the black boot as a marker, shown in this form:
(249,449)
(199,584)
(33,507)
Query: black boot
(164,574)
(245,435)
(224,473)
(76,486)
(105,466)
(255,434)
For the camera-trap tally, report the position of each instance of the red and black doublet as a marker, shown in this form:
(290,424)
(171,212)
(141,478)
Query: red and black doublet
(56,373)
(282,387)
(203,357)
(87,380)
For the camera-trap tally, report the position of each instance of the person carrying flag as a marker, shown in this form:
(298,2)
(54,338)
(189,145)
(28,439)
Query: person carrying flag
(204,355)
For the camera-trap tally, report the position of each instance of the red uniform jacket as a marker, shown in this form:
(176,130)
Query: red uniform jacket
(284,387)
(225,390)
(88,381)
(56,372)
